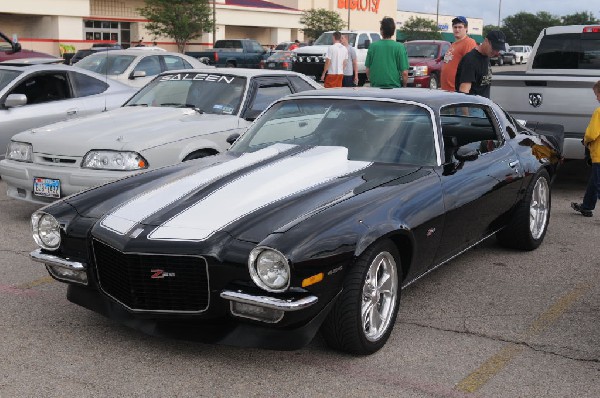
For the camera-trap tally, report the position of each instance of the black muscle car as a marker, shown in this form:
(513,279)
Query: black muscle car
(316,218)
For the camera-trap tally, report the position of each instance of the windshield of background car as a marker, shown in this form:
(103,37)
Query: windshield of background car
(371,130)
(416,50)
(568,51)
(7,76)
(106,64)
(517,49)
(208,92)
(326,39)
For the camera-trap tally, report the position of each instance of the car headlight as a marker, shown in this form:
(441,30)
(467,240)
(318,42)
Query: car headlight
(269,269)
(46,230)
(421,70)
(19,151)
(114,160)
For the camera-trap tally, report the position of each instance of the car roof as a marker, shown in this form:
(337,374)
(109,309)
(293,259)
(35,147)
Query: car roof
(136,53)
(434,98)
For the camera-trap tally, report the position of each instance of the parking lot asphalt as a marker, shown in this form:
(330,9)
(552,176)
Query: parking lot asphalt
(491,323)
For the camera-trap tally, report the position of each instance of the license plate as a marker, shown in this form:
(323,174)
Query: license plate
(46,187)
(271,65)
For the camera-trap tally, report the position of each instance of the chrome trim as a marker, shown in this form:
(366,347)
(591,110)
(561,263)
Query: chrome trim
(56,261)
(269,302)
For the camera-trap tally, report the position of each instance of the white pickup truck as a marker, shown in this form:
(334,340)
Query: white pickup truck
(557,85)
(310,60)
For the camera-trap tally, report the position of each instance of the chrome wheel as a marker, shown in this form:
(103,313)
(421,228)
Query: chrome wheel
(380,292)
(539,208)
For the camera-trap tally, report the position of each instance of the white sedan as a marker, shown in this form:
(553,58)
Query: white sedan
(134,67)
(179,116)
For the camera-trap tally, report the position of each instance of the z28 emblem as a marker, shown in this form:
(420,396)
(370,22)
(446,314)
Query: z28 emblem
(160,274)
(535,99)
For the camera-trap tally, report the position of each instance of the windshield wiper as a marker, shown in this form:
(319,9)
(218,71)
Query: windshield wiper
(179,105)
(137,105)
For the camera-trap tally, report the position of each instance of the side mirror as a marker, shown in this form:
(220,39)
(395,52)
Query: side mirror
(136,74)
(15,100)
(251,114)
(231,139)
(465,154)
(16,47)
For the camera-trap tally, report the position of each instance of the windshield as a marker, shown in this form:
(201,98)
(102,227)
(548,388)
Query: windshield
(326,39)
(7,76)
(374,131)
(105,63)
(206,92)
(517,49)
(416,50)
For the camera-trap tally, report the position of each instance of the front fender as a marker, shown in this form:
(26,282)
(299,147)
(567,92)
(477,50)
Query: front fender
(381,231)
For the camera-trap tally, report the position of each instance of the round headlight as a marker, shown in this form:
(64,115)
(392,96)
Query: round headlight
(46,230)
(269,269)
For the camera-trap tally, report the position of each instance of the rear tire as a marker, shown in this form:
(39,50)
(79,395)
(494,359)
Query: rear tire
(364,314)
(433,82)
(530,220)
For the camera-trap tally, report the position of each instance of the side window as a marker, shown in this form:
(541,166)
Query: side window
(469,125)
(362,39)
(173,62)
(375,37)
(44,88)
(85,85)
(255,47)
(150,65)
(300,84)
(265,95)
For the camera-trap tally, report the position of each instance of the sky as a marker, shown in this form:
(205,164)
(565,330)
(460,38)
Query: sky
(488,9)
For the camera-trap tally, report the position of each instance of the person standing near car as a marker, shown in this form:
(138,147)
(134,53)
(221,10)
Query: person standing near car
(351,67)
(335,61)
(462,45)
(387,61)
(591,140)
(294,45)
(474,74)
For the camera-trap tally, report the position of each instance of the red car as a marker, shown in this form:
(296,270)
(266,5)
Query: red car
(426,58)
(10,50)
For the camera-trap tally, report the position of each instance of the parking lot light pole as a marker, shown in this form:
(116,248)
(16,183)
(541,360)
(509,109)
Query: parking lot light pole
(499,7)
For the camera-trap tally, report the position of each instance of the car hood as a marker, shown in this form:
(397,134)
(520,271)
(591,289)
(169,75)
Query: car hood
(247,197)
(126,128)
(313,50)
(419,61)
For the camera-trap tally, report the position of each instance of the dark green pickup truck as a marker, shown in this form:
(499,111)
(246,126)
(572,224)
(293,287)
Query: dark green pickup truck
(233,53)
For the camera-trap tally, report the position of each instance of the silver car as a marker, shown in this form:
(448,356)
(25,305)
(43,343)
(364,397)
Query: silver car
(36,95)
(179,116)
(136,67)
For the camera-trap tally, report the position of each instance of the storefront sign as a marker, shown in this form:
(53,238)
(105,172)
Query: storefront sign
(360,5)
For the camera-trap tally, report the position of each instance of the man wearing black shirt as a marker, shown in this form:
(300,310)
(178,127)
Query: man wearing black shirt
(474,75)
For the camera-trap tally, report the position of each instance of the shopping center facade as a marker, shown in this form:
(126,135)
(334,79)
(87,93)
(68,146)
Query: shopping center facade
(46,25)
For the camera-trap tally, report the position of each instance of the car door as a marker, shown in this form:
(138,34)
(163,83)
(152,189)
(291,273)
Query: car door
(478,193)
(89,92)
(263,91)
(49,99)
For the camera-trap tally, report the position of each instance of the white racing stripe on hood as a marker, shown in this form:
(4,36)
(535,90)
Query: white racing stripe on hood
(257,189)
(134,211)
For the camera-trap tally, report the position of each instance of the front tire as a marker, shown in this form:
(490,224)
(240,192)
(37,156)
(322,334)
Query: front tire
(500,60)
(528,227)
(364,314)
(513,61)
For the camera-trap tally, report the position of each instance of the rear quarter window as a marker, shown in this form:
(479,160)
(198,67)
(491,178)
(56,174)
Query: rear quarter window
(568,51)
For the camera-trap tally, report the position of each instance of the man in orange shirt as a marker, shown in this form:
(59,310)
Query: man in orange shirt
(462,45)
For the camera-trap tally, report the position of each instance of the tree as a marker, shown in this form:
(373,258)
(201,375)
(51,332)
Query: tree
(579,18)
(183,20)
(524,27)
(420,28)
(317,21)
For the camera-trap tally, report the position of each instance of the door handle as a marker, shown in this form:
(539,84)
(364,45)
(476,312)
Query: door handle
(513,164)
(71,112)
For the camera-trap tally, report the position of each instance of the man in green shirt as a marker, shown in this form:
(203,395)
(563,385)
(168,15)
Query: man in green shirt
(387,59)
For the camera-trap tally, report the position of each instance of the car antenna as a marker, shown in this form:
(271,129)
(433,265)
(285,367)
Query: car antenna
(105,75)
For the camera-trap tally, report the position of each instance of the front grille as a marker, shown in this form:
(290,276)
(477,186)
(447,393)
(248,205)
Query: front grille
(161,283)
(57,160)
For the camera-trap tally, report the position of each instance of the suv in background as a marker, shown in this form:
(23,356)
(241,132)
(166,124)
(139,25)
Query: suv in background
(522,53)
(80,54)
(425,58)
(10,50)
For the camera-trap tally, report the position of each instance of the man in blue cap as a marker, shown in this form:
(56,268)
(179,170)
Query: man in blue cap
(474,75)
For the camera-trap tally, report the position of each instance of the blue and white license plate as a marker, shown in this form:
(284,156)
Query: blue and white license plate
(46,187)
(271,64)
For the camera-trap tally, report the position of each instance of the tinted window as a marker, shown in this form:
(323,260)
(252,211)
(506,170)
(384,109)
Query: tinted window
(44,88)
(150,65)
(104,63)
(235,44)
(86,85)
(300,84)
(362,39)
(172,62)
(375,37)
(255,47)
(7,76)
(568,51)
(265,95)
